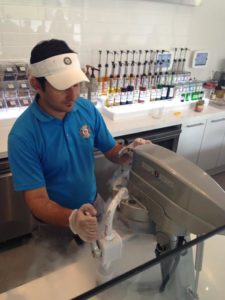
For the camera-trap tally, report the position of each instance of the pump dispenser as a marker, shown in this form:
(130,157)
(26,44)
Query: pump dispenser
(137,79)
(111,88)
(93,90)
(105,79)
(132,77)
(143,86)
(123,98)
(131,84)
(125,75)
(117,94)
(99,79)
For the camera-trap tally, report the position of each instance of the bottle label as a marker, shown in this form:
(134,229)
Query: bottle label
(171,93)
(148,94)
(94,96)
(158,93)
(130,96)
(117,97)
(136,96)
(111,99)
(84,95)
(153,94)
(164,92)
(175,79)
(142,96)
(181,78)
(199,87)
(123,98)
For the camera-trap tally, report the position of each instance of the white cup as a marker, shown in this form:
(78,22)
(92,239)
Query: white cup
(157,112)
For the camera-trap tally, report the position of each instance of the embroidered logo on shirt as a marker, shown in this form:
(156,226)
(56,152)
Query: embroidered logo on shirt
(85,131)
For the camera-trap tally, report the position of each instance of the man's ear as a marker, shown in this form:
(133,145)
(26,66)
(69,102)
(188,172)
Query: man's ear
(35,84)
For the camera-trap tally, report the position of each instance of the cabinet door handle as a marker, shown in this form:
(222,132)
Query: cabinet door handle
(218,120)
(195,125)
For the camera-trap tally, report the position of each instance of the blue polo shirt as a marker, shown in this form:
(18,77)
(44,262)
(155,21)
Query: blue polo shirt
(58,154)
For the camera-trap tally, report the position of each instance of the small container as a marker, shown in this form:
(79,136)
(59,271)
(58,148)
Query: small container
(2,101)
(23,93)
(199,106)
(9,72)
(10,90)
(220,92)
(10,94)
(22,73)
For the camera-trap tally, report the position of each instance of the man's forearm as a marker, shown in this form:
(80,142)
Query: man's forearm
(45,209)
(54,214)
(113,154)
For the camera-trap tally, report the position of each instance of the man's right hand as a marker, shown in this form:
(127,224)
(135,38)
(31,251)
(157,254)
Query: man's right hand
(83,222)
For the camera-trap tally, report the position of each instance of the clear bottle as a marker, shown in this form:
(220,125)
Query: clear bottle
(84,89)
(117,94)
(142,94)
(130,94)
(123,98)
(84,86)
(153,89)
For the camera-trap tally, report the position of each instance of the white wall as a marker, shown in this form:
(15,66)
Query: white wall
(90,25)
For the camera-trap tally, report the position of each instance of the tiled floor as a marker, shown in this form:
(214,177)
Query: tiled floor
(211,281)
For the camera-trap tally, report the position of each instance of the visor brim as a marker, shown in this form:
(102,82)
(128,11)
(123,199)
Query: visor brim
(67,78)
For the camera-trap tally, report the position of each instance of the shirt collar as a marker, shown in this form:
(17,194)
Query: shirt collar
(44,116)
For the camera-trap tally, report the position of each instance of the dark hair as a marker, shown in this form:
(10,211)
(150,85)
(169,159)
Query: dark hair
(46,49)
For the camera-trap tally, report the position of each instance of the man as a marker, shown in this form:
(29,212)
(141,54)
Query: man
(51,144)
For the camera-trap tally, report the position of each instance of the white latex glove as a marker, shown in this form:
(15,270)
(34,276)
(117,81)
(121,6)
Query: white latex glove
(126,153)
(83,222)
(138,142)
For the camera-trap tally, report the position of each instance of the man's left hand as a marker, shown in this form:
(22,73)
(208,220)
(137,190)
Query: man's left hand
(126,153)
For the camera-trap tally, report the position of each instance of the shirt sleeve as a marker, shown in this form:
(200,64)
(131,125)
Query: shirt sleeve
(104,141)
(25,164)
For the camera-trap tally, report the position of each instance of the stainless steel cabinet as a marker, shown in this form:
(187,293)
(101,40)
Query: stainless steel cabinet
(15,218)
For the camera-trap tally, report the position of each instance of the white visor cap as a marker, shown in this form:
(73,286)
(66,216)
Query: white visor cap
(61,71)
